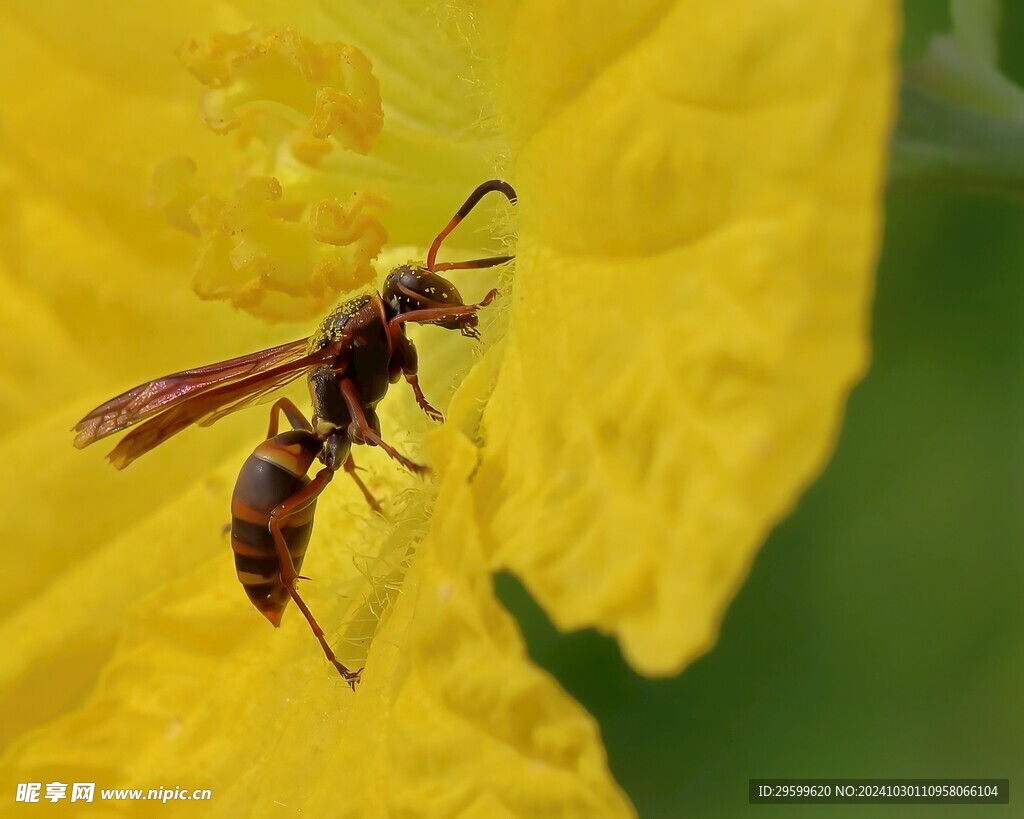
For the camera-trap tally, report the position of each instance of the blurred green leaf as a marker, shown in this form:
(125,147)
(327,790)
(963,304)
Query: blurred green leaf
(940,144)
(961,119)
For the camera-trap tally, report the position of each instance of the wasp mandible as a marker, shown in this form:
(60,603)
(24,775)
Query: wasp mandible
(357,351)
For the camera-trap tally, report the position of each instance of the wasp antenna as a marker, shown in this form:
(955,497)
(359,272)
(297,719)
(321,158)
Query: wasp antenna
(482,190)
(473,264)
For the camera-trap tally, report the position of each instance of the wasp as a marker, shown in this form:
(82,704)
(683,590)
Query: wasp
(358,350)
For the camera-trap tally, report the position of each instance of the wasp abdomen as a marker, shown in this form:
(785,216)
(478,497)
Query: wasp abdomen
(270,476)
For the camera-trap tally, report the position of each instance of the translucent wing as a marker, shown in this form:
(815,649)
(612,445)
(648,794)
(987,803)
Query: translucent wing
(155,396)
(212,404)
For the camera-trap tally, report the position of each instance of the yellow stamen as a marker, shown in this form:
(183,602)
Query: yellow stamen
(275,246)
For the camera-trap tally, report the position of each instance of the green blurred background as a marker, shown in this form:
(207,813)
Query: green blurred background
(881,630)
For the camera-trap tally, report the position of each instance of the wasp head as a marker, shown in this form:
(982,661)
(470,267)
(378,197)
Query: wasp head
(410,288)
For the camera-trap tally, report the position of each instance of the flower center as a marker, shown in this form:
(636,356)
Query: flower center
(280,245)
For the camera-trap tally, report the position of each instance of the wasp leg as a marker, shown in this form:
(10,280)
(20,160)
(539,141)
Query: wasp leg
(363,432)
(408,360)
(443,313)
(429,411)
(292,413)
(482,190)
(350,467)
(295,504)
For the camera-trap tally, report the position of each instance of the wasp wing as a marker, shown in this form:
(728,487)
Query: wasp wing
(211,404)
(147,399)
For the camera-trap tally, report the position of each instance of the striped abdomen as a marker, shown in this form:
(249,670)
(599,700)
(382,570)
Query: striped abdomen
(270,476)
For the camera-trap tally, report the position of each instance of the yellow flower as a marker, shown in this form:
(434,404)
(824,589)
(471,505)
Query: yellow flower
(698,219)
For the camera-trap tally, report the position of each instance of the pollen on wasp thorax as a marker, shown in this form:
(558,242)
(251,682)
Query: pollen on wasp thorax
(335,322)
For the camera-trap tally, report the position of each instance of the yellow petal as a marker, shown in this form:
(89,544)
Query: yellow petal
(700,189)
(86,118)
(458,678)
